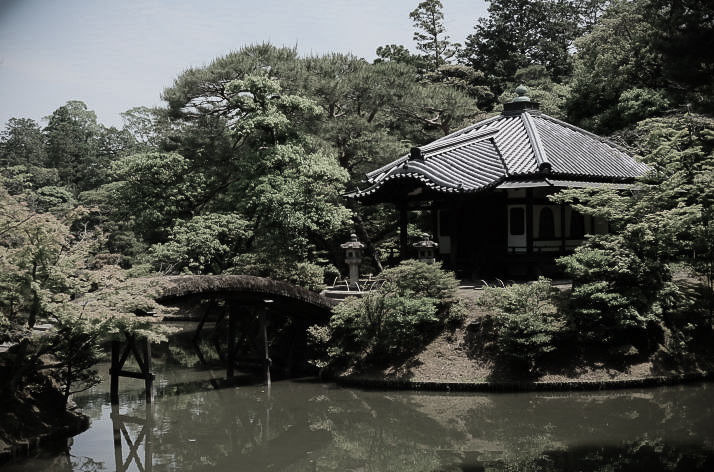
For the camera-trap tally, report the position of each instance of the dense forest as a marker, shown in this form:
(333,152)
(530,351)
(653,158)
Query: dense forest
(243,168)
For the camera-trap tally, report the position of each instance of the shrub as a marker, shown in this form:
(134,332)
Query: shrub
(414,303)
(421,279)
(525,320)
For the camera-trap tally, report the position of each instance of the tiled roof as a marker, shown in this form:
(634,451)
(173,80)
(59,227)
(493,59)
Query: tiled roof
(560,183)
(512,147)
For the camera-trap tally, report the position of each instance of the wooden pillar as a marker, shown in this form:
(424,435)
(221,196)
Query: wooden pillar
(114,373)
(266,357)
(149,376)
(116,430)
(231,357)
(149,428)
(562,228)
(209,308)
(403,236)
(529,220)
(530,263)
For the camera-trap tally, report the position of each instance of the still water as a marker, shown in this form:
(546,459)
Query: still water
(315,426)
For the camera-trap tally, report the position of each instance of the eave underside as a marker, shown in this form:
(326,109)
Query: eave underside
(414,189)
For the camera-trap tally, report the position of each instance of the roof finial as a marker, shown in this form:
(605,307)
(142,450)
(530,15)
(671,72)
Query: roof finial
(521,90)
(521,103)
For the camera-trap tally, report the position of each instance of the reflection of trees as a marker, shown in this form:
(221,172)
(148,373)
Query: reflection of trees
(291,429)
(310,427)
(374,431)
(527,424)
(631,456)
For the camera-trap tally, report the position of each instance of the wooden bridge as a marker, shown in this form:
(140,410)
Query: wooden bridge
(241,296)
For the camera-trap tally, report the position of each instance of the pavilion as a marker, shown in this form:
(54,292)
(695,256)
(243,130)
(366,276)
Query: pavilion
(486,187)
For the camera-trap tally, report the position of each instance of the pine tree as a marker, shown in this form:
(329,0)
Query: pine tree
(430,35)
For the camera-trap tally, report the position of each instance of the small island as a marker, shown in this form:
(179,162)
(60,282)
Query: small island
(492,254)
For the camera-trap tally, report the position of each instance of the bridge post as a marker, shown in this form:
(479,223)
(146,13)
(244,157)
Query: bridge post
(264,332)
(114,373)
(231,357)
(148,375)
(117,366)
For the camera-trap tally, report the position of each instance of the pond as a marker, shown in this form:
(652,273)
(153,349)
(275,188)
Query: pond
(307,425)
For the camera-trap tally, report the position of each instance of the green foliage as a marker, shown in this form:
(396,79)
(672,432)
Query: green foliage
(153,189)
(618,287)
(418,279)
(75,343)
(551,96)
(381,325)
(22,143)
(525,320)
(400,54)
(429,34)
(294,197)
(517,34)
(642,57)
(414,303)
(623,280)
(53,199)
(51,274)
(203,244)
(262,264)
(148,126)
(464,78)
(80,148)
(637,104)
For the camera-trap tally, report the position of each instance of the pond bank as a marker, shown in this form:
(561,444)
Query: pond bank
(369,383)
(462,359)
(36,418)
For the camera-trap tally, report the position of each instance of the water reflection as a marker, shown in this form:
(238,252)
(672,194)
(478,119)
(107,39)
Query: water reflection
(121,436)
(309,426)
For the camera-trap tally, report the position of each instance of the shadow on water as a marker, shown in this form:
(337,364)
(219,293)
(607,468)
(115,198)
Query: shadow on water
(198,423)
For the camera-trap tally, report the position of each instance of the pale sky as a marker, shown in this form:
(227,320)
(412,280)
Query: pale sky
(117,54)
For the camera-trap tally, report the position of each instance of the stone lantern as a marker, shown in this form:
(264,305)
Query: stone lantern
(353,257)
(426,249)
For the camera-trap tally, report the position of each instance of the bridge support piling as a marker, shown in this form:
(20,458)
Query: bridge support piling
(266,358)
(114,373)
(209,308)
(231,357)
(148,376)
(119,359)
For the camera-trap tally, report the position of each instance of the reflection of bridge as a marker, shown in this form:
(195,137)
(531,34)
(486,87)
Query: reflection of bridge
(261,433)
(238,297)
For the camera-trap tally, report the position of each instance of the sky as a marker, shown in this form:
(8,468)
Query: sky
(115,55)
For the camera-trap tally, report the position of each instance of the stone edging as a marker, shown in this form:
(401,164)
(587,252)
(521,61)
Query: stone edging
(575,385)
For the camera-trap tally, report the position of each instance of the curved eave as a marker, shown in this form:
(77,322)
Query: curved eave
(397,187)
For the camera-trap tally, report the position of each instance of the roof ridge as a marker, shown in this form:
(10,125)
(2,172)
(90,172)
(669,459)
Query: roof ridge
(536,143)
(500,156)
(386,167)
(470,127)
(587,133)
(454,142)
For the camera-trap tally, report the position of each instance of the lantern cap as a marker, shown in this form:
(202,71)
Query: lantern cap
(353,243)
(426,241)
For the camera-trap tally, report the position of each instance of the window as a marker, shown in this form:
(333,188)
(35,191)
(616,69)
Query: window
(577,225)
(546,224)
(517,221)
